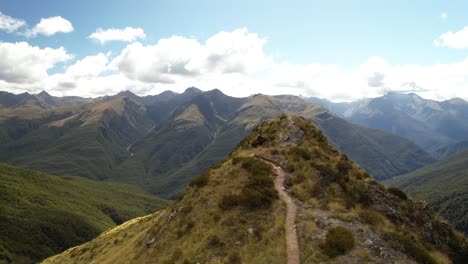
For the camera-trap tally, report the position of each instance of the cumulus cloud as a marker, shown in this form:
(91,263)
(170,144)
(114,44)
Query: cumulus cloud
(236,52)
(376,80)
(454,40)
(89,67)
(128,34)
(171,58)
(50,26)
(22,63)
(10,24)
(235,62)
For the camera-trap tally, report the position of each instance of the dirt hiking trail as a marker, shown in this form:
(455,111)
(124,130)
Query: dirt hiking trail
(291,234)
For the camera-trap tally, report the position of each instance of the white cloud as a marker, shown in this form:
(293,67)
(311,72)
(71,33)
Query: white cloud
(236,51)
(172,58)
(50,26)
(234,62)
(454,40)
(22,63)
(443,15)
(10,24)
(128,34)
(88,67)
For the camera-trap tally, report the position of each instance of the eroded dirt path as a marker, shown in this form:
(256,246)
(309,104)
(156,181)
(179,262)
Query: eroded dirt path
(291,234)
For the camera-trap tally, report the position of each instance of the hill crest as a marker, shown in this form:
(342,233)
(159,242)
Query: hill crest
(234,213)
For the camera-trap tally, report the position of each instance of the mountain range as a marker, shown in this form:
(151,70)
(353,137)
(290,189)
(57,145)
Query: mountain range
(285,197)
(430,124)
(160,142)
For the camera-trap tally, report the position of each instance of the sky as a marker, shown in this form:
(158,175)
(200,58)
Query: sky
(339,50)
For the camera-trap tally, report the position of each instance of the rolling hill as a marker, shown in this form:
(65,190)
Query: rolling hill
(444,185)
(41,215)
(288,197)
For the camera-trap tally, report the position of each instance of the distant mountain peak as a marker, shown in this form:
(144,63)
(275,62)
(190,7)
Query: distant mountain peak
(167,92)
(43,93)
(127,93)
(457,101)
(192,90)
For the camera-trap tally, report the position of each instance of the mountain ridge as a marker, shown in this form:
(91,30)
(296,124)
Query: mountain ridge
(147,142)
(430,124)
(232,213)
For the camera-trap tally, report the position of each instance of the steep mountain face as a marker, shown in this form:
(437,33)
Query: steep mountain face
(286,196)
(444,185)
(428,123)
(41,215)
(89,143)
(192,140)
(449,150)
(342,109)
(160,142)
(177,141)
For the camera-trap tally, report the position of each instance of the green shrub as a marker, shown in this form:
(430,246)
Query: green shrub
(371,217)
(300,153)
(398,193)
(364,198)
(214,241)
(258,197)
(235,258)
(339,241)
(256,167)
(228,201)
(258,192)
(409,246)
(274,152)
(343,167)
(200,180)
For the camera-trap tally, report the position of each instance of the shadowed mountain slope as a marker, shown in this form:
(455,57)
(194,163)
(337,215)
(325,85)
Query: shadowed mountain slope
(41,215)
(444,185)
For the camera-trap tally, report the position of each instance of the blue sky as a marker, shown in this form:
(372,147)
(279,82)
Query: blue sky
(341,34)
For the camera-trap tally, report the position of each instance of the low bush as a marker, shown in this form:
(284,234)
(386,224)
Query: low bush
(214,241)
(343,166)
(409,246)
(370,217)
(398,193)
(299,152)
(338,241)
(256,167)
(258,192)
(235,258)
(228,201)
(200,180)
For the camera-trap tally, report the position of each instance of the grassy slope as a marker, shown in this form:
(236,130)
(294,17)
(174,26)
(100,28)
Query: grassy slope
(41,214)
(444,185)
(210,223)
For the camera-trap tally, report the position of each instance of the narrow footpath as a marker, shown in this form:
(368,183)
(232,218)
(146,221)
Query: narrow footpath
(291,234)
